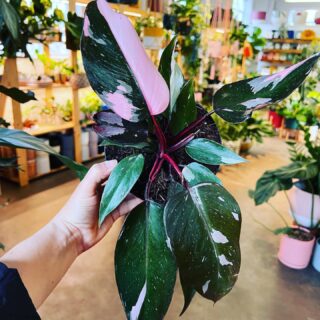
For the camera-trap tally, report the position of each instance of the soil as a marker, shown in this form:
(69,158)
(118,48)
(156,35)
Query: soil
(159,188)
(300,234)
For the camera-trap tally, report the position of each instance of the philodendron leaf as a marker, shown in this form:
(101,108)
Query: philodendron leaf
(185,110)
(281,179)
(235,102)
(122,179)
(11,18)
(117,66)
(171,73)
(195,173)
(23,140)
(144,265)
(203,227)
(17,94)
(118,131)
(211,152)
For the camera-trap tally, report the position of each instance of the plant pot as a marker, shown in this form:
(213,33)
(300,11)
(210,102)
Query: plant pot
(316,256)
(290,34)
(207,129)
(198,96)
(67,145)
(291,123)
(93,144)
(79,80)
(275,119)
(301,204)
(233,145)
(246,145)
(294,253)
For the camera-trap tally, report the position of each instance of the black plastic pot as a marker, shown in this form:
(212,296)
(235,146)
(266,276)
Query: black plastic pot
(207,129)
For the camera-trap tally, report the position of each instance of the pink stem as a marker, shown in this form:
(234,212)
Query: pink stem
(174,165)
(182,143)
(160,135)
(191,126)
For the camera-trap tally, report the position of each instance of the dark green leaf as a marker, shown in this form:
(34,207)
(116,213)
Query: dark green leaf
(174,188)
(21,139)
(119,184)
(235,102)
(285,230)
(211,152)
(203,226)
(196,173)
(144,265)
(281,179)
(8,162)
(17,94)
(11,18)
(119,132)
(185,110)
(117,66)
(171,73)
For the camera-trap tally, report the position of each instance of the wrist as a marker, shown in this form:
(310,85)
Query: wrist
(69,236)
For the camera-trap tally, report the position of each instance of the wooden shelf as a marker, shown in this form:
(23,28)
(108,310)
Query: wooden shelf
(278,62)
(50,128)
(294,41)
(283,51)
(52,85)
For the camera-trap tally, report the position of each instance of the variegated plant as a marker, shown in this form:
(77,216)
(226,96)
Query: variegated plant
(188,221)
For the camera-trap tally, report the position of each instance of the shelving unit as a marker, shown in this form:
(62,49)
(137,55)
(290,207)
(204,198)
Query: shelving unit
(10,79)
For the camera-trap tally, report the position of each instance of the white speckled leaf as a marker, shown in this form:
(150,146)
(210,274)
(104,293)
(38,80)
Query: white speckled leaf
(144,265)
(236,101)
(203,225)
(118,67)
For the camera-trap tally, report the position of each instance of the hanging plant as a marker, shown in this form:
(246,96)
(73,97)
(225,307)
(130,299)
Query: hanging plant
(168,149)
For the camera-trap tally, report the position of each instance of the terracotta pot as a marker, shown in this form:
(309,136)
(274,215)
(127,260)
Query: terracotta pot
(301,204)
(294,253)
(79,80)
(246,145)
(316,256)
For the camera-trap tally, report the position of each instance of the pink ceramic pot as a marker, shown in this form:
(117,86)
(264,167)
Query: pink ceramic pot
(301,204)
(198,96)
(295,254)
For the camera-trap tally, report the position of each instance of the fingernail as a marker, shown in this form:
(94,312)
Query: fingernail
(111,164)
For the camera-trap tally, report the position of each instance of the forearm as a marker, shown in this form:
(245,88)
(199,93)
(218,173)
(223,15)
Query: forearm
(43,259)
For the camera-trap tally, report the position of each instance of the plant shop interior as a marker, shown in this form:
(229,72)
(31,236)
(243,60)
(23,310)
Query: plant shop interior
(160,159)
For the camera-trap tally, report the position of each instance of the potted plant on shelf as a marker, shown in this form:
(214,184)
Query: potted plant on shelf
(229,133)
(188,221)
(301,179)
(22,23)
(90,104)
(254,130)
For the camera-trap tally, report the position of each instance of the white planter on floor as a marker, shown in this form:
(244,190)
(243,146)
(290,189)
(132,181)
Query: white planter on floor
(301,204)
(316,256)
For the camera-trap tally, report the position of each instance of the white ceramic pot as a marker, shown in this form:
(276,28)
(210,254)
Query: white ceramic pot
(301,204)
(299,18)
(316,256)
(85,137)
(313,132)
(43,164)
(85,152)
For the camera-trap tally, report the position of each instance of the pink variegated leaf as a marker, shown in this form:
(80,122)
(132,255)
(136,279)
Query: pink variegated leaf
(118,67)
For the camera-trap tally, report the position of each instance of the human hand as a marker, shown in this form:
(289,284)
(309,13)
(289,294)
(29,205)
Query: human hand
(80,214)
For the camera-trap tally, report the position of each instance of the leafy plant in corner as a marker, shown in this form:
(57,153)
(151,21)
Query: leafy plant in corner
(169,149)
(303,172)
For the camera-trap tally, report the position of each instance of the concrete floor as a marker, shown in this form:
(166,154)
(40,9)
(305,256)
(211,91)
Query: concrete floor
(266,290)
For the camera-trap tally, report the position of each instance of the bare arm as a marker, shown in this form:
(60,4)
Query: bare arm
(43,259)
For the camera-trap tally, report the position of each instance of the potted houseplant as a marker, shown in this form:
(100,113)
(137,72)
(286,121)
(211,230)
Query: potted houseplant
(301,179)
(254,130)
(229,133)
(188,221)
(22,23)
(89,105)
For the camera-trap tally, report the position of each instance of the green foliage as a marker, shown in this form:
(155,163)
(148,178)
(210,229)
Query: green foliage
(90,103)
(120,182)
(22,23)
(255,129)
(190,21)
(201,219)
(20,139)
(228,131)
(256,41)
